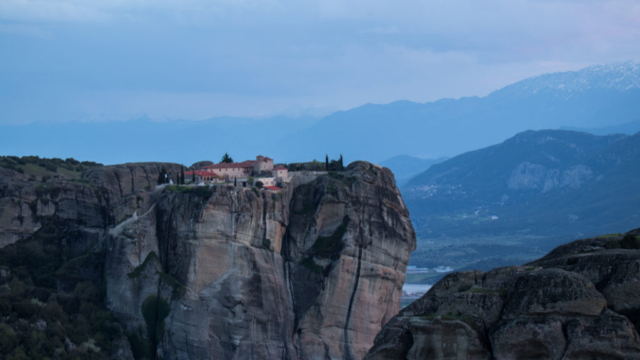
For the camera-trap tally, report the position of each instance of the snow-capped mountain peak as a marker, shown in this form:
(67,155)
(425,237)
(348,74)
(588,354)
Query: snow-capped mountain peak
(618,76)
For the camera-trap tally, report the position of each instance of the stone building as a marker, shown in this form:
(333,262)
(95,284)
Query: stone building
(262,164)
(201,176)
(280,172)
(242,169)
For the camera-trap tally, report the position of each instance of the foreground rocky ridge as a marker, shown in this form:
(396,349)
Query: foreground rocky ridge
(198,273)
(581,301)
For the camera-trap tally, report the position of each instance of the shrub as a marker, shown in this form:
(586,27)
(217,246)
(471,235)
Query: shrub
(327,246)
(154,310)
(72,161)
(310,264)
(259,184)
(8,339)
(630,242)
(5,307)
(26,309)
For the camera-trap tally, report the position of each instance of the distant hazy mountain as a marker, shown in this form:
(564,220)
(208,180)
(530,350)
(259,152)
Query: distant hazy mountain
(143,140)
(593,97)
(527,194)
(629,128)
(405,167)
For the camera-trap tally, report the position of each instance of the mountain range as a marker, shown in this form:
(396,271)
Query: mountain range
(594,97)
(405,167)
(524,196)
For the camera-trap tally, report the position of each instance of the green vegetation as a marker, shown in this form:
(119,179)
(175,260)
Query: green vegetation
(346,180)
(47,299)
(154,310)
(332,188)
(610,235)
(162,176)
(314,165)
(266,243)
(630,242)
(259,184)
(43,318)
(329,246)
(178,290)
(138,270)
(469,320)
(310,264)
(41,167)
(65,268)
(226,159)
(487,291)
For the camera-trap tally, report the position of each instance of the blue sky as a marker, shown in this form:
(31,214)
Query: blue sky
(79,60)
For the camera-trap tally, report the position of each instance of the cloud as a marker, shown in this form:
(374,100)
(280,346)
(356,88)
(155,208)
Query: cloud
(24,29)
(200,58)
(380,30)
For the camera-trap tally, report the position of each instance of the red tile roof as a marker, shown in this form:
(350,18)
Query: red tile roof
(201,173)
(280,168)
(274,188)
(244,164)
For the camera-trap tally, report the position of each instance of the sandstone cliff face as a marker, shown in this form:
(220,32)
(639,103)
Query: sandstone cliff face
(578,302)
(87,203)
(312,272)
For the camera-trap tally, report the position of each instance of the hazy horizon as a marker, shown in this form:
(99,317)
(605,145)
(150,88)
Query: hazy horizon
(193,60)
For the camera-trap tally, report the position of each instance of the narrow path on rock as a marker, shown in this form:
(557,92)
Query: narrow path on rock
(118,228)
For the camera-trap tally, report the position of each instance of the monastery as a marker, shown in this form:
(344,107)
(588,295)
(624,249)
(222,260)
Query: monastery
(262,169)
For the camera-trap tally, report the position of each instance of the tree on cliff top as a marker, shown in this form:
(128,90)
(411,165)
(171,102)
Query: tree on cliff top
(226,159)
(162,176)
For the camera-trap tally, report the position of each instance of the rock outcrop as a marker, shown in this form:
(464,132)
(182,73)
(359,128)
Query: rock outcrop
(311,272)
(578,302)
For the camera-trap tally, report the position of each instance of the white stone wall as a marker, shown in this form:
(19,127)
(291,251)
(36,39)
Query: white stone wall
(232,172)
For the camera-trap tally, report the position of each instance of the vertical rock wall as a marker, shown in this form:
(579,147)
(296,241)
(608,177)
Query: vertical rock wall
(310,273)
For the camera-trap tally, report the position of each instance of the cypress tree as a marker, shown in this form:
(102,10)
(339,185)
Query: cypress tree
(326,162)
(235,182)
(340,161)
(182,175)
(161,176)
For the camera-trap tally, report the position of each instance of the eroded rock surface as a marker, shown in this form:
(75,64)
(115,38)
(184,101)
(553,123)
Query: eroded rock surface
(578,302)
(312,272)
